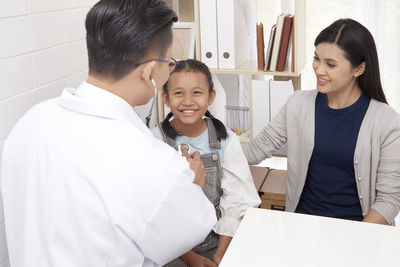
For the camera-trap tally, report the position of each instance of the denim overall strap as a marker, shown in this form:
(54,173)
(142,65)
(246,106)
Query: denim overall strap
(212,189)
(166,138)
(212,135)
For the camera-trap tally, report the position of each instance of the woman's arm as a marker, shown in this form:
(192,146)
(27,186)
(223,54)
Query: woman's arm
(269,140)
(387,200)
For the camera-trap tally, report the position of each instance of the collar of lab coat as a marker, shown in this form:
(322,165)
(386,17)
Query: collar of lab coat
(94,101)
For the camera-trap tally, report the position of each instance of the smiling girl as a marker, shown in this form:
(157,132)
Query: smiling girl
(343,138)
(229,185)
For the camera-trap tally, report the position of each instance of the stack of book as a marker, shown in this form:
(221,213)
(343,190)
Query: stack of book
(279,55)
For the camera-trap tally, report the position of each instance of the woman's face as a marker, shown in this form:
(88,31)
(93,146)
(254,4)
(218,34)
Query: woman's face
(333,70)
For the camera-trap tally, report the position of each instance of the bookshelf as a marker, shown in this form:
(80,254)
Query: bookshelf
(188,11)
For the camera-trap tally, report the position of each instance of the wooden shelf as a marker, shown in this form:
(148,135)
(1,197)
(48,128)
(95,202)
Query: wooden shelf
(250,67)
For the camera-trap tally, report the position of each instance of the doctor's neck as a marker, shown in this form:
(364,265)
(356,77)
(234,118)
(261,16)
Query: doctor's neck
(129,88)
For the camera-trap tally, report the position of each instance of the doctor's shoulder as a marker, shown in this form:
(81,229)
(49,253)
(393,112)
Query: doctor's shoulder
(157,133)
(38,115)
(46,108)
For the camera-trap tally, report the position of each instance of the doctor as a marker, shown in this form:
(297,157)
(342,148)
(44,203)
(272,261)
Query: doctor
(84,182)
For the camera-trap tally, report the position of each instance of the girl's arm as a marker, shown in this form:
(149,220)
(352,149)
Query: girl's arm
(223,244)
(238,193)
(193,259)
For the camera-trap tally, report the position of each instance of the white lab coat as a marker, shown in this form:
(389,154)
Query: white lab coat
(85,183)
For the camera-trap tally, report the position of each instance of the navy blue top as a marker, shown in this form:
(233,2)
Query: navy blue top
(330,188)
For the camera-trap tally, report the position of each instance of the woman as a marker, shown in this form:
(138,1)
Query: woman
(343,139)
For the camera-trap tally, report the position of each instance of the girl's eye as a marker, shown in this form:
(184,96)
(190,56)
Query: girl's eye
(178,93)
(330,65)
(316,58)
(197,92)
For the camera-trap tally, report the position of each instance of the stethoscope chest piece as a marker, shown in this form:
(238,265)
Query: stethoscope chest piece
(184,145)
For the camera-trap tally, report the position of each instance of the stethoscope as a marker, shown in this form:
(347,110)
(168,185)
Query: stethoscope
(183,145)
(155,101)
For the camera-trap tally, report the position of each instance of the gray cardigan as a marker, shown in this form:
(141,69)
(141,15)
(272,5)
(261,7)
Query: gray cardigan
(376,157)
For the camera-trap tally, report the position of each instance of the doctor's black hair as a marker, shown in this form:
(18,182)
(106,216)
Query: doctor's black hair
(192,65)
(359,46)
(120,34)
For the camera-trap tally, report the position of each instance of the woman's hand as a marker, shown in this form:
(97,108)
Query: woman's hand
(374,217)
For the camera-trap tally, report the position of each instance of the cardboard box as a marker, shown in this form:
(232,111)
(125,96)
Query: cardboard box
(259,175)
(273,191)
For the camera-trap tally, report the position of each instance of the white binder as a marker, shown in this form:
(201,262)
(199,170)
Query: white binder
(233,36)
(217,109)
(208,32)
(280,91)
(260,105)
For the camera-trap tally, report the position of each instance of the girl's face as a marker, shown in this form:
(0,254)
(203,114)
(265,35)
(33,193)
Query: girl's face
(334,72)
(188,97)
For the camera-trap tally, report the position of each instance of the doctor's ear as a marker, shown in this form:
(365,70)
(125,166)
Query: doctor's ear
(147,71)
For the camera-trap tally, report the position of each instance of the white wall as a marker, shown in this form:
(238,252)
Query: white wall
(42,50)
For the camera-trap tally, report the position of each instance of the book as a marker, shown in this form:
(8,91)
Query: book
(283,51)
(293,42)
(260,46)
(288,65)
(269,49)
(277,42)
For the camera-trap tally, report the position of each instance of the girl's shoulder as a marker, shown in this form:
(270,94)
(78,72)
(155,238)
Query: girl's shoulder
(228,139)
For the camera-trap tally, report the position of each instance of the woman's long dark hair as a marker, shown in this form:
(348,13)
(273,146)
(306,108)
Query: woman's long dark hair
(359,47)
(194,66)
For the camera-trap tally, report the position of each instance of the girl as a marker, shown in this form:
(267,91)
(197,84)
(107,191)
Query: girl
(229,185)
(343,139)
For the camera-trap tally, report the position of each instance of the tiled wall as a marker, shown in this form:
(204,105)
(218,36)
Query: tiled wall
(42,50)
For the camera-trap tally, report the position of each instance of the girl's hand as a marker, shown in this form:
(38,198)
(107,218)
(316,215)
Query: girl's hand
(195,260)
(217,259)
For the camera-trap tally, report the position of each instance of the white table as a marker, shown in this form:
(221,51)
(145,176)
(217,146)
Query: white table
(276,238)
